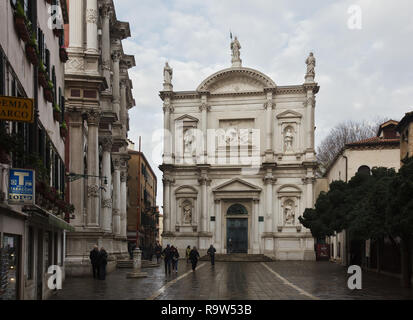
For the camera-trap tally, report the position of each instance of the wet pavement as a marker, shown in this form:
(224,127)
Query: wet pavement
(281,280)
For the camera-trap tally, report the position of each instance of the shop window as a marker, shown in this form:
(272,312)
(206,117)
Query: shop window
(9,267)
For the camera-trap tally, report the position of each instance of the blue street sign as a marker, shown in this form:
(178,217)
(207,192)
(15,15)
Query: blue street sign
(21,186)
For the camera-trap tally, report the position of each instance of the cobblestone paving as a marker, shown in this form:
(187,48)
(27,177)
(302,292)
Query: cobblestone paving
(236,281)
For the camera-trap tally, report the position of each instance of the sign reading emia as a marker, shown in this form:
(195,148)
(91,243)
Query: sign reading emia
(21,186)
(16,109)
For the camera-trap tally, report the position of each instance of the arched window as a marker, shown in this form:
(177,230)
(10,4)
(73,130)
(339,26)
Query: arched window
(237,209)
(364,170)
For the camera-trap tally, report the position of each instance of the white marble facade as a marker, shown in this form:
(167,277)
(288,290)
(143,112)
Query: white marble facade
(239,139)
(99,95)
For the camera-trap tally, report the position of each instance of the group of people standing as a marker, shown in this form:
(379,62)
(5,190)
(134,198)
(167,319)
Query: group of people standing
(99,260)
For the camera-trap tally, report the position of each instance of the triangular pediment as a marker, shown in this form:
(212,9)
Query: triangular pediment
(237,185)
(187,117)
(289,114)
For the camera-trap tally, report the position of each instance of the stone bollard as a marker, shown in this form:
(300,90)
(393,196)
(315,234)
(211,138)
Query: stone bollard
(137,264)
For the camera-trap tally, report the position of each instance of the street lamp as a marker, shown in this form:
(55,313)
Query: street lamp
(75,176)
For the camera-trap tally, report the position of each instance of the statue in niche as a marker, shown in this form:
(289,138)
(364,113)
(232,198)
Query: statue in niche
(188,141)
(289,213)
(167,74)
(187,212)
(288,139)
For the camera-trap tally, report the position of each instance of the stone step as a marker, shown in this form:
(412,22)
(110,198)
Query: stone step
(239,257)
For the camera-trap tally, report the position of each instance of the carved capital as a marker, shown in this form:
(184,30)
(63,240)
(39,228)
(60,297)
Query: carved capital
(116,163)
(310,102)
(107,143)
(91,16)
(93,191)
(204,106)
(123,176)
(93,117)
(107,203)
(204,181)
(268,105)
(269,180)
(167,107)
(107,11)
(116,55)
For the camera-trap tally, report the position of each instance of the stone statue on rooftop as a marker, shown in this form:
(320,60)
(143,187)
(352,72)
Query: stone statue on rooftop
(236,55)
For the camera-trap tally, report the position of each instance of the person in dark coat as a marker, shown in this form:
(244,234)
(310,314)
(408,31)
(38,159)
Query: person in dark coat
(94,255)
(194,256)
(167,256)
(211,252)
(175,259)
(102,261)
(158,252)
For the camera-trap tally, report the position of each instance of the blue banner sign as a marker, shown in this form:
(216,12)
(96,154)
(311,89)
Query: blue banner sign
(21,186)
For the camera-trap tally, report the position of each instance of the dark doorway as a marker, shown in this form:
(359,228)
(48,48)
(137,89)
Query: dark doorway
(40,257)
(237,231)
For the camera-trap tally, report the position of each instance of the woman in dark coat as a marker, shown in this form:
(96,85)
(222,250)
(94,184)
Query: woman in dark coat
(102,262)
(194,256)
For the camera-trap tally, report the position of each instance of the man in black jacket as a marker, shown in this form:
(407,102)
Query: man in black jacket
(94,257)
(167,256)
(211,252)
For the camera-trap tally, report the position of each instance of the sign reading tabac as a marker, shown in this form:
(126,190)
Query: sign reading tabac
(16,109)
(21,186)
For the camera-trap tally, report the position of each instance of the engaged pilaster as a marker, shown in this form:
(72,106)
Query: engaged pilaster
(107,143)
(116,195)
(93,118)
(91,26)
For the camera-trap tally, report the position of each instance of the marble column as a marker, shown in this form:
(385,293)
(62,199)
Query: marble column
(106,14)
(256,213)
(123,206)
(93,192)
(310,120)
(268,127)
(309,196)
(116,83)
(167,109)
(268,181)
(116,195)
(123,108)
(77,166)
(76,24)
(218,223)
(106,192)
(166,207)
(203,181)
(204,108)
(91,26)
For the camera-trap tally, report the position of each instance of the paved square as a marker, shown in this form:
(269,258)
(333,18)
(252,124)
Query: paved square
(281,280)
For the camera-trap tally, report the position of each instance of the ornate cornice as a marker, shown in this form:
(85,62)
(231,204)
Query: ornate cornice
(256,75)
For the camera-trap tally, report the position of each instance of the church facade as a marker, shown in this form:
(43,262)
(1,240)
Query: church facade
(239,163)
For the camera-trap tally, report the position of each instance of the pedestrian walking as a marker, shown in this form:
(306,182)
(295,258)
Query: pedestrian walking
(211,252)
(102,261)
(94,254)
(194,256)
(175,259)
(229,245)
(167,259)
(158,252)
(187,252)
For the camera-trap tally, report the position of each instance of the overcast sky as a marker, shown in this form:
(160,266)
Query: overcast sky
(363,73)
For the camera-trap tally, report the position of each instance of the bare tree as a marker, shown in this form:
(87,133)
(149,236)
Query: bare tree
(343,133)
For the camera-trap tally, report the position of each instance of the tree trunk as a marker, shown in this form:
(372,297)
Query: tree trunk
(379,254)
(406,262)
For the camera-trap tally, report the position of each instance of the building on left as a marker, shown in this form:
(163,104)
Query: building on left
(34,211)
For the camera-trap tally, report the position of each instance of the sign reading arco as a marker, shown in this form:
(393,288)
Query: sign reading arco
(16,109)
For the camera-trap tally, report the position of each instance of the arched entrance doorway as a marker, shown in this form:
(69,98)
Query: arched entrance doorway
(237,229)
